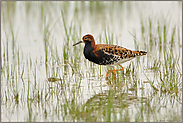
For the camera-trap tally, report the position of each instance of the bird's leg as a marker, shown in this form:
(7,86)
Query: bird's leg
(122,68)
(110,71)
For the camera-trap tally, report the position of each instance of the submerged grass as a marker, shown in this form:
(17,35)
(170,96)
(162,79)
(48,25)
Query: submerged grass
(167,66)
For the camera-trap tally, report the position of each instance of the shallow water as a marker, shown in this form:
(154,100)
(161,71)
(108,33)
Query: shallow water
(45,51)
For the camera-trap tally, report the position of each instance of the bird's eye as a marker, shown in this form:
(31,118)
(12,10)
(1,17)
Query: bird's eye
(85,38)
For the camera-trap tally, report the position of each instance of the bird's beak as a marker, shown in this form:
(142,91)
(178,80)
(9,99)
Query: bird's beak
(78,43)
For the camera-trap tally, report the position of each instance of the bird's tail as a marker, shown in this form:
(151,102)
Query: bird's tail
(140,53)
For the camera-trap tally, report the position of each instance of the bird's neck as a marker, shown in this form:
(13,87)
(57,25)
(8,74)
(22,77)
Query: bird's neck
(88,48)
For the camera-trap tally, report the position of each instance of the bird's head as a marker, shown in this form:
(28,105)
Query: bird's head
(87,39)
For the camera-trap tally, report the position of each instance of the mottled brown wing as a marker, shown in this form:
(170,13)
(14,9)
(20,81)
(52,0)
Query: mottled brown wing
(119,51)
(120,54)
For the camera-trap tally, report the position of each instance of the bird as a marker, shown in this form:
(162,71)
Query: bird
(107,54)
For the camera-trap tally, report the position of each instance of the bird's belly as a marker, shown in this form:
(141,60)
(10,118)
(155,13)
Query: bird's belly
(116,62)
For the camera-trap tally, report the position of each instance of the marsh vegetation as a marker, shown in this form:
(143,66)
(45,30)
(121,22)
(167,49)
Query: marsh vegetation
(44,78)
